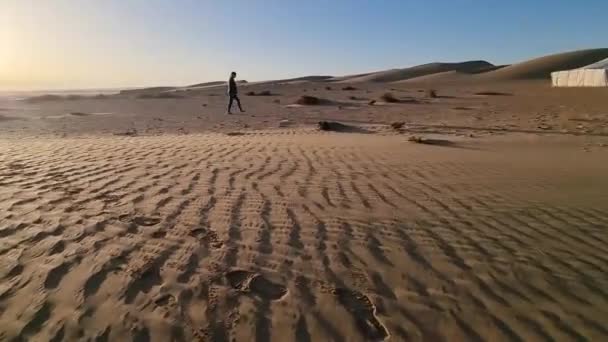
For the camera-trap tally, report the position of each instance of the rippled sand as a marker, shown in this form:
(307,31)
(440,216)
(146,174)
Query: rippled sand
(297,235)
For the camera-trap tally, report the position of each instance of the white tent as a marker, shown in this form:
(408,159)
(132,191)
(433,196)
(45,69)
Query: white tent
(594,75)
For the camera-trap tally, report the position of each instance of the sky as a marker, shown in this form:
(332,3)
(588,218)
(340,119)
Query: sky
(70,44)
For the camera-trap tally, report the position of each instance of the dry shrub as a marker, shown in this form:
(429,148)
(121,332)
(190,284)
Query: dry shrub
(308,100)
(340,127)
(493,93)
(131,132)
(334,126)
(324,126)
(262,93)
(327,88)
(416,139)
(431,93)
(397,125)
(372,102)
(388,97)
(349,88)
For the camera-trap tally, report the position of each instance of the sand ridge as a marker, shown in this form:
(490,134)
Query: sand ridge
(300,235)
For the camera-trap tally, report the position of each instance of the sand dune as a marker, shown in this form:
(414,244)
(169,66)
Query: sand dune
(542,67)
(440,77)
(206,84)
(297,235)
(452,76)
(347,77)
(470,71)
(295,80)
(395,75)
(144,91)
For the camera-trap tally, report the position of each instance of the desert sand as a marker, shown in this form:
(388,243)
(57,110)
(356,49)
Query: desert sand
(151,215)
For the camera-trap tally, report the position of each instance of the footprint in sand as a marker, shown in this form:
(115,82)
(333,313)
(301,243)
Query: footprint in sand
(238,279)
(364,313)
(198,233)
(267,289)
(146,221)
(257,284)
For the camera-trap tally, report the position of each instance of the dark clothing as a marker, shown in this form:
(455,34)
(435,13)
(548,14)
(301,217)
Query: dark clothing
(232,93)
(232,98)
(232,87)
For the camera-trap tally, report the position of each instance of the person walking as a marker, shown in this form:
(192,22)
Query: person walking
(233,93)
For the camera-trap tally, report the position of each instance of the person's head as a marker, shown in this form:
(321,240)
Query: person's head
(233,74)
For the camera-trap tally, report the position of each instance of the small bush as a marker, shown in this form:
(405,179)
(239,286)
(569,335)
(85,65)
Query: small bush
(397,125)
(327,88)
(492,93)
(349,88)
(372,102)
(431,93)
(262,93)
(388,97)
(308,100)
(324,126)
(416,139)
(131,132)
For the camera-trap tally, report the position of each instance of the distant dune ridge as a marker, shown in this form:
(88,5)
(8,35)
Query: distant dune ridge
(541,68)
(395,75)
(438,72)
(479,71)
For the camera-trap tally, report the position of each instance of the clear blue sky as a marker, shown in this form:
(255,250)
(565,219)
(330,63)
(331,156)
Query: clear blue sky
(74,43)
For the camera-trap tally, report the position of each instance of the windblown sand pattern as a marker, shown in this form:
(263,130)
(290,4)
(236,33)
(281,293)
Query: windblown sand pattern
(301,236)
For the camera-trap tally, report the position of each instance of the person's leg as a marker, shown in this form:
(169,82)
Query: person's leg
(230,103)
(238,101)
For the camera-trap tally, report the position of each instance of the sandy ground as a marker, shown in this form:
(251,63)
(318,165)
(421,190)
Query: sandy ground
(522,106)
(300,235)
(126,218)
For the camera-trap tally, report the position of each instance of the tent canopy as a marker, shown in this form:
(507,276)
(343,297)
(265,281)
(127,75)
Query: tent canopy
(593,75)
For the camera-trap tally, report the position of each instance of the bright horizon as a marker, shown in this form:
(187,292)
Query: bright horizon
(69,44)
